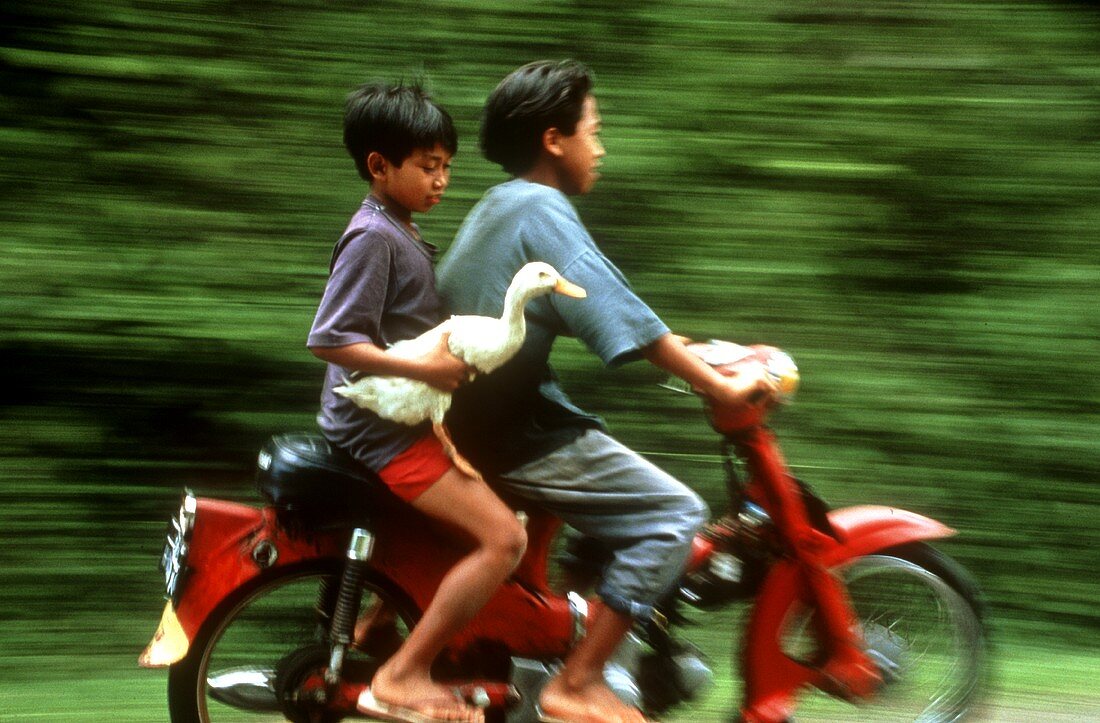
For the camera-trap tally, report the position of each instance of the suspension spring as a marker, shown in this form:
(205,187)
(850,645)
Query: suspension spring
(342,631)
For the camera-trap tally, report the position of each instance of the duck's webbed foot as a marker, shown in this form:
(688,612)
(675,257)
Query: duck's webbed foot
(461,463)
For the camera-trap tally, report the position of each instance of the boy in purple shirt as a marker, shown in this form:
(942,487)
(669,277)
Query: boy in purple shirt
(380,290)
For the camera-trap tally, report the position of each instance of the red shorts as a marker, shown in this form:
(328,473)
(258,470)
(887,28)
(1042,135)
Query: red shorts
(416,469)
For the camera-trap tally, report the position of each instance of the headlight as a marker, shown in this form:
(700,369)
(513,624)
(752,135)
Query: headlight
(173,562)
(783,371)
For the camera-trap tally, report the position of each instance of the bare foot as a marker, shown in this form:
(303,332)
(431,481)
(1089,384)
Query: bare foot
(420,699)
(592,703)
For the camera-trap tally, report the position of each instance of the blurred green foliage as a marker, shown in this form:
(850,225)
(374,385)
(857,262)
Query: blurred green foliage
(902,195)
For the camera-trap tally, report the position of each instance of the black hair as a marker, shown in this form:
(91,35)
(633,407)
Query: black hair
(394,120)
(540,95)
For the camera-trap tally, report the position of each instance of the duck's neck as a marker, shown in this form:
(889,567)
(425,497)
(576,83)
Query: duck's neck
(515,301)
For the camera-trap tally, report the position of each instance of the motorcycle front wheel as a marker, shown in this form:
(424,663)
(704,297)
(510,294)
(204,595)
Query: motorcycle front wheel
(920,615)
(234,669)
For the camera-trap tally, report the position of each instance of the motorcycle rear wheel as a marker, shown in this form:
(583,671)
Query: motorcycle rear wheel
(921,617)
(244,640)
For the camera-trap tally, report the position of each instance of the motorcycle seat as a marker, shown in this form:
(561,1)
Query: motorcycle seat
(302,475)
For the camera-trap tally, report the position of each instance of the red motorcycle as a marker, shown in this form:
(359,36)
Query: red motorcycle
(851,604)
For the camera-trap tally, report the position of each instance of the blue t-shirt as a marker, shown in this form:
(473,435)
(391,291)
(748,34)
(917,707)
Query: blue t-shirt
(520,412)
(381,290)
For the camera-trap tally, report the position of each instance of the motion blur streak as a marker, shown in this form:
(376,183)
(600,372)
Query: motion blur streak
(901,195)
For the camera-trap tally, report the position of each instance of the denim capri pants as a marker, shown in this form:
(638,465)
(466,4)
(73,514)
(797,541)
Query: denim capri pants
(642,515)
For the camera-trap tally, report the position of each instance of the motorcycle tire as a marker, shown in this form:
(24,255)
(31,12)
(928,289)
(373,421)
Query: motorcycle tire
(922,619)
(270,620)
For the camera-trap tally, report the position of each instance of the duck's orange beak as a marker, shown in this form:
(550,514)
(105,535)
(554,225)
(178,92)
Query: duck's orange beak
(568,288)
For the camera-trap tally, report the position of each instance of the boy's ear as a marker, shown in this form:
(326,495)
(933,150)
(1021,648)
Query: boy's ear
(376,164)
(551,142)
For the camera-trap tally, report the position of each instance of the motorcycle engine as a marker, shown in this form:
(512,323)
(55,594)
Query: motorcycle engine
(740,560)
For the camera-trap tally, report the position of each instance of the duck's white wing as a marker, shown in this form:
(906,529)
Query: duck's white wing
(405,401)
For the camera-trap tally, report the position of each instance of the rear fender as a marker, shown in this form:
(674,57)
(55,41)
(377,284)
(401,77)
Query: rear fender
(231,544)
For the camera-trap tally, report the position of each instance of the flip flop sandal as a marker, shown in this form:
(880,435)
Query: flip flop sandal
(544,718)
(369,705)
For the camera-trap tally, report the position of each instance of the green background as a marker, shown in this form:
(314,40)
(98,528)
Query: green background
(901,195)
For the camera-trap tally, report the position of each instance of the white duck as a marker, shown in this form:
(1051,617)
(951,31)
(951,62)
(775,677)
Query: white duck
(482,342)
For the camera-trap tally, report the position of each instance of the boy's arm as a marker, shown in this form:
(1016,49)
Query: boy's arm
(670,353)
(613,321)
(438,368)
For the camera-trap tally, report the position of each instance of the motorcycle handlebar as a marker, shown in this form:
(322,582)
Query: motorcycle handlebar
(729,359)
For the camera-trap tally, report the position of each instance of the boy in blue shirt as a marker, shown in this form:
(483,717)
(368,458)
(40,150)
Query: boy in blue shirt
(542,124)
(381,289)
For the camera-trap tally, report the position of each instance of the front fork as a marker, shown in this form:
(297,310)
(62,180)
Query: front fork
(772,678)
(805,579)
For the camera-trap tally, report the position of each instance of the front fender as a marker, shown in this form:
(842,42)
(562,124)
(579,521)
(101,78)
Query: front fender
(868,528)
(859,531)
(772,680)
(230,545)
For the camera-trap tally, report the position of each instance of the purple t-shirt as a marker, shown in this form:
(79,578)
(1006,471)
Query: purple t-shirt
(381,289)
